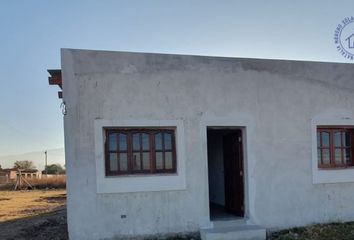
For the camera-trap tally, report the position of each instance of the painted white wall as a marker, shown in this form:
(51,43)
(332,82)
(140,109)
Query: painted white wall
(275,101)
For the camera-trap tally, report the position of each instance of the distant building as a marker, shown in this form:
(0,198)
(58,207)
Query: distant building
(30,173)
(10,174)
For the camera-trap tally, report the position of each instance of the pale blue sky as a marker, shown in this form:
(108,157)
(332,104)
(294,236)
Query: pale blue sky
(32,33)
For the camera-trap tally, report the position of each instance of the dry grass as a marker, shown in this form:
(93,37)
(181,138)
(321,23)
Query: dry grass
(332,231)
(53,182)
(21,204)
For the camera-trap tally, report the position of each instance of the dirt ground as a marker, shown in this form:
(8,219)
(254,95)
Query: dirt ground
(33,215)
(20,204)
(48,226)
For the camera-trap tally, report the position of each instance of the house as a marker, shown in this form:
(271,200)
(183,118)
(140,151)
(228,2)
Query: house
(30,173)
(230,147)
(10,174)
(350,40)
(4,176)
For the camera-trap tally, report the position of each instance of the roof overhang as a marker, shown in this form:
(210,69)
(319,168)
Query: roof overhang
(55,79)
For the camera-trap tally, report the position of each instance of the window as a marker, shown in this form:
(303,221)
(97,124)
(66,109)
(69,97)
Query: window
(140,151)
(335,147)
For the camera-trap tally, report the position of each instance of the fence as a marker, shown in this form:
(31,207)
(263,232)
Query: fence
(4,179)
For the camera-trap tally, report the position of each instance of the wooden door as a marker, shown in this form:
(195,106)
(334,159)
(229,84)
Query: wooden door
(233,171)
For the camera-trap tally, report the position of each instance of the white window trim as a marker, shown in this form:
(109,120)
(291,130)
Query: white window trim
(139,183)
(329,175)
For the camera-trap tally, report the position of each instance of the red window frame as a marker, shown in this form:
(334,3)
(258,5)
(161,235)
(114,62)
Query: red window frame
(332,147)
(136,151)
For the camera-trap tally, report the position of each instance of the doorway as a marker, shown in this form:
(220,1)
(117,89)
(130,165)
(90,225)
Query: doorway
(225,173)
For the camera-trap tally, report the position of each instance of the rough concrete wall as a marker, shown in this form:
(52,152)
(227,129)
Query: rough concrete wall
(280,97)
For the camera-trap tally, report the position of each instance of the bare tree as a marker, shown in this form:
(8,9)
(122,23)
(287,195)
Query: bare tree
(25,164)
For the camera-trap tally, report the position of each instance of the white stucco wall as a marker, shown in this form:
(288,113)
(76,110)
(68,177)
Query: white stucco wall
(275,102)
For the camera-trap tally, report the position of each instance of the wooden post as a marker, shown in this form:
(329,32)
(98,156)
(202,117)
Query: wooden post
(19,181)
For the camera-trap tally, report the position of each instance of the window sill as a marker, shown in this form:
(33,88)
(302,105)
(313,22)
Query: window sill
(140,175)
(335,168)
(333,175)
(142,183)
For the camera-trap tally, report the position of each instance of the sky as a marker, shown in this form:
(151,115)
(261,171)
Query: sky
(32,33)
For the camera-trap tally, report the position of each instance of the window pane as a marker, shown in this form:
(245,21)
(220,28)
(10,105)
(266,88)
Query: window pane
(136,161)
(122,142)
(318,139)
(123,162)
(113,162)
(168,160)
(319,156)
(347,157)
(338,156)
(112,141)
(338,139)
(158,141)
(325,139)
(168,141)
(159,160)
(347,139)
(146,161)
(146,144)
(325,156)
(136,141)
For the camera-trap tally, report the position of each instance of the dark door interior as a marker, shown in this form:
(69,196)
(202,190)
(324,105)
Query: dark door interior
(233,171)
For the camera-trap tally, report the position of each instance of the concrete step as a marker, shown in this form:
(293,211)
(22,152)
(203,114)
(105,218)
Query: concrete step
(238,232)
(230,223)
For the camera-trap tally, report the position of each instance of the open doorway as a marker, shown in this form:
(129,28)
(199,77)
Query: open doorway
(226,173)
